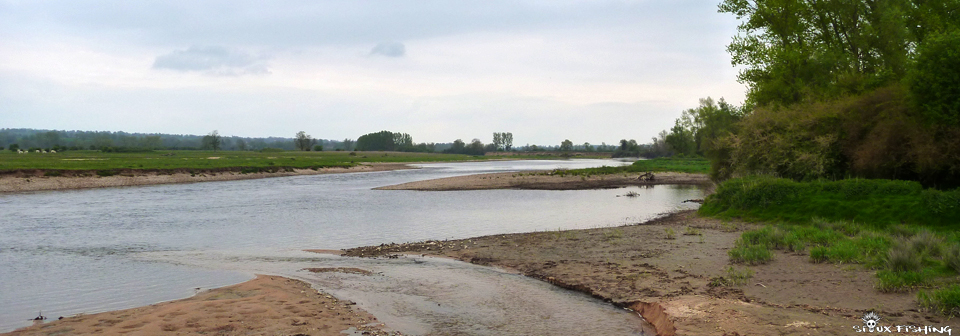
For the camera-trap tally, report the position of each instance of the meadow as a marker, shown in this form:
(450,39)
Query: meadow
(904,233)
(208,160)
(695,165)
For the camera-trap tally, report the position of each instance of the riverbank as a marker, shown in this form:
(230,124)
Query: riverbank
(548,181)
(266,305)
(675,272)
(30,180)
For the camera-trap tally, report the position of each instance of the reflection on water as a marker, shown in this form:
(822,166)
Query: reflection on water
(75,252)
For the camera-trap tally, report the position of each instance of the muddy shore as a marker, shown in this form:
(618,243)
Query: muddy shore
(267,305)
(547,181)
(674,272)
(36,181)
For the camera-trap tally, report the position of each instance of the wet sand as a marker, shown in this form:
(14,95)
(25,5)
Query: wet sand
(547,181)
(673,280)
(35,181)
(267,305)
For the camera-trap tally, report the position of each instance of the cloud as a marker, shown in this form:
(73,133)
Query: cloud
(212,60)
(389,49)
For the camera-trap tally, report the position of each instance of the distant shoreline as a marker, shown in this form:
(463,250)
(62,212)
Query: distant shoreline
(545,181)
(29,180)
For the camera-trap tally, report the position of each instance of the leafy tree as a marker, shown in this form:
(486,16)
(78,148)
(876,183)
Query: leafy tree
(317,148)
(587,147)
(935,81)
(241,145)
(13,147)
(212,141)
(497,140)
(507,138)
(794,49)
(566,145)
(304,141)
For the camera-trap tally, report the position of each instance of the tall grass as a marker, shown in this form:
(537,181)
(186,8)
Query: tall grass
(881,203)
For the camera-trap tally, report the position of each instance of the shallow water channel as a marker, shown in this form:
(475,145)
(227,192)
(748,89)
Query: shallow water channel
(87,251)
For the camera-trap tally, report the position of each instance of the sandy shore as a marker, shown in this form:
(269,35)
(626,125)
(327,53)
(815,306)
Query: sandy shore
(267,305)
(676,281)
(541,180)
(35,181)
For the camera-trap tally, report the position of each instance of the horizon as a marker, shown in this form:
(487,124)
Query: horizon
(545,71)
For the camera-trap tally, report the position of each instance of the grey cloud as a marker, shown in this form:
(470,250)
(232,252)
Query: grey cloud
(389,49)
(212,60)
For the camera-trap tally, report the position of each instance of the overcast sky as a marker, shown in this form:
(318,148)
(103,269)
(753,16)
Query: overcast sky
(548,70)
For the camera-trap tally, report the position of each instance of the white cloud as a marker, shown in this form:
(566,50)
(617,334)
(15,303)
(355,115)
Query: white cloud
(389,49)
(213,60)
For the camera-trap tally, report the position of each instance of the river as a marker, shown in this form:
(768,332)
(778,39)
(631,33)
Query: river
(87,251)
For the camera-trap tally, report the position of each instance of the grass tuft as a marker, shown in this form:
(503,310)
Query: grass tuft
(944,301)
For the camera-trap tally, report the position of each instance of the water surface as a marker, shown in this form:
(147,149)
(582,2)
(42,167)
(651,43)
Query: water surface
(87,251)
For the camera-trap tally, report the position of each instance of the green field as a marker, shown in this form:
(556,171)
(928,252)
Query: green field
(680,165)
(208,160)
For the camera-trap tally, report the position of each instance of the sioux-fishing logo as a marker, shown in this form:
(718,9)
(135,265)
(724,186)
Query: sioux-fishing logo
(871,324)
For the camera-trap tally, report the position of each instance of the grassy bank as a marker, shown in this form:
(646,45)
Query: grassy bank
(209,160)
(879,203)
(679,165)
(905,233)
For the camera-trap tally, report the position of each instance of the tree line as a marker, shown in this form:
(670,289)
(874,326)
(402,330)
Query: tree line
(836,89)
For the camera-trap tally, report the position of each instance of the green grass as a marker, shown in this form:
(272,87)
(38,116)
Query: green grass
(208,160)
(681,165)
(945,301)
(879,203)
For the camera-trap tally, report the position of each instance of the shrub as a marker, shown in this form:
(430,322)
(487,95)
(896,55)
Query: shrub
(935,79)
(926,243)
(902,258)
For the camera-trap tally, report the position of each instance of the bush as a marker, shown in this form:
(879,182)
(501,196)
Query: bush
(952,257)
(902,258)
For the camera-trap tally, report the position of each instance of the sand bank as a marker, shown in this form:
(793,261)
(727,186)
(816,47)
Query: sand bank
(267,305)
(543,181)
(36,181)
(673,272)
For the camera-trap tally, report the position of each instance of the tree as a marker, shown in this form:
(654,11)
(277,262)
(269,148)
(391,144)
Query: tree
(241,145)
(498,140)
(935,81)
(14,147)
(348,144)
(379,141)
(212,141)
(304,141)
(507,139)
(681,140)
(317,148)
(566,145)
(587,147)
(791,50)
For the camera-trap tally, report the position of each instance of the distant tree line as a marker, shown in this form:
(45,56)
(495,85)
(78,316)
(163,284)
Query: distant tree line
(125,142)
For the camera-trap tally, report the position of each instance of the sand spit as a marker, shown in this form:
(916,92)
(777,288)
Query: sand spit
(672,272)
(543,181)
(267,305)
(36,181)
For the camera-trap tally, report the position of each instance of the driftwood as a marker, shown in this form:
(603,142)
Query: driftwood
(645,177)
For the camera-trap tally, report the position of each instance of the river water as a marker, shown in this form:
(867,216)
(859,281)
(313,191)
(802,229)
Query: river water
(87,251)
